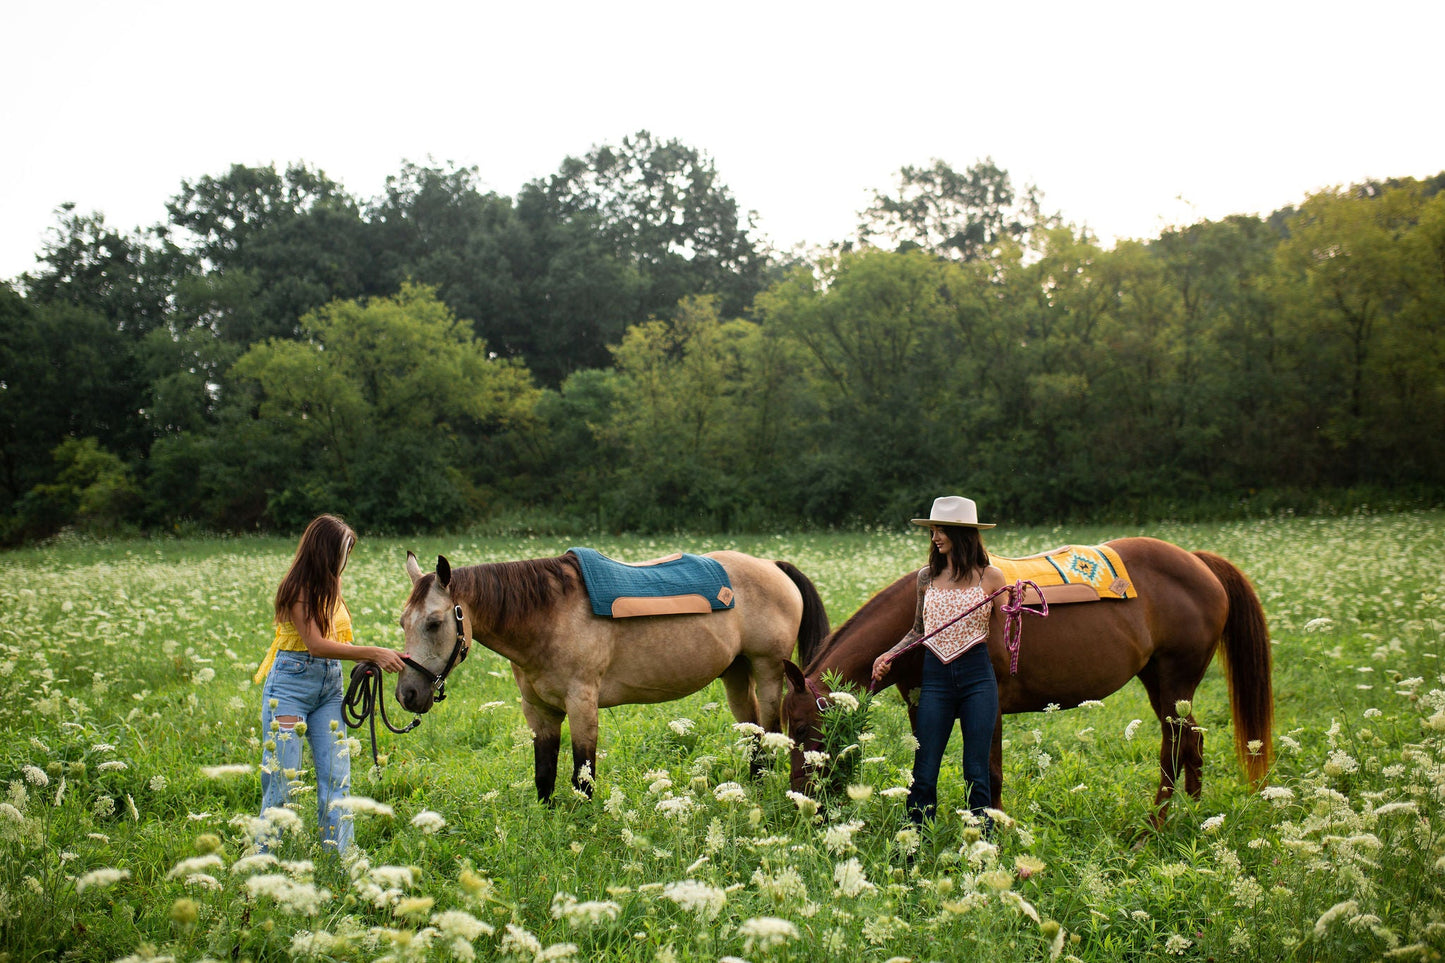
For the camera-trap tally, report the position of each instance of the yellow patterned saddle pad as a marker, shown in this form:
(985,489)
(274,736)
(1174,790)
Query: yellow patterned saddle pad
(1073,573)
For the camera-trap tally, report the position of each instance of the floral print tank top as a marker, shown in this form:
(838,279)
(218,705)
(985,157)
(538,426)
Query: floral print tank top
(940,606)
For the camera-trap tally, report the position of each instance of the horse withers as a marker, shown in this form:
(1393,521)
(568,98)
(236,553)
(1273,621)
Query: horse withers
(568,661)
(1187,602)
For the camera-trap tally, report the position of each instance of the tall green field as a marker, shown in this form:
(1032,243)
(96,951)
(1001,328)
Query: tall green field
(132,749)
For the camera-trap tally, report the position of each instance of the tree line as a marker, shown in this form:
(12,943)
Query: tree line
(617,347)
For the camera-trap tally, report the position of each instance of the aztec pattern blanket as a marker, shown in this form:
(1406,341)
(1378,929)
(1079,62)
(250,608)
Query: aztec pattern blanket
(677,585)
(1072,573)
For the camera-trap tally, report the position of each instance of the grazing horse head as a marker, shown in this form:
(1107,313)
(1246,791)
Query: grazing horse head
(800,717)
(437,636)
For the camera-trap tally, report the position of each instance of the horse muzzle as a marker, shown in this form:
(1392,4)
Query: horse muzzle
(414,693)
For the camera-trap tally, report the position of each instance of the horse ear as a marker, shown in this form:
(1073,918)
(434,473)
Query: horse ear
(444,571)
(412,568)
(794,675)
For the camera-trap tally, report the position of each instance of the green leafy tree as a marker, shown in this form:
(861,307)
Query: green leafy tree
(877,328)
(291,241)
(963,215)
(379,412)
(701,415)
(93,490)
(661,207)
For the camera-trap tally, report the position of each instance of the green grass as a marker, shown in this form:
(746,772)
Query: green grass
(125,671)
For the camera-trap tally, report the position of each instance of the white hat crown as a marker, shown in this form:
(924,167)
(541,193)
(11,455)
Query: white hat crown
(953,510)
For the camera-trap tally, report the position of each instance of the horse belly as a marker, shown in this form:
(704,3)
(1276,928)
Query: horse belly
(675,658)
(1080,652)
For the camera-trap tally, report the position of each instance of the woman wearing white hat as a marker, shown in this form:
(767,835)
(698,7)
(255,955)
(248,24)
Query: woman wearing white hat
(958,679)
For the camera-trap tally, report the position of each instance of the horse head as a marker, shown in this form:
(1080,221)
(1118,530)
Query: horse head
(435,630)
(801,713)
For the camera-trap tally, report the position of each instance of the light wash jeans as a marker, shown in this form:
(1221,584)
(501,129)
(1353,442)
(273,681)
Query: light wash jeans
(310,689)
(964,690)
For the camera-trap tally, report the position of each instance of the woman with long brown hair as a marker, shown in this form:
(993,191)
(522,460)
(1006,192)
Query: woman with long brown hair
(958,680)
(302,692)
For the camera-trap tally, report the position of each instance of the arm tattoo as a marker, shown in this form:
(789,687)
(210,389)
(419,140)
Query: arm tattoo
(925,578)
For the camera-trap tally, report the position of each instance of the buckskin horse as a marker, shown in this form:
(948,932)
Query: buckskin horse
(1186,604)
(569,661)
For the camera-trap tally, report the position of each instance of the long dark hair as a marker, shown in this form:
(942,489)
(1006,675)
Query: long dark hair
(966,556)
(314,579)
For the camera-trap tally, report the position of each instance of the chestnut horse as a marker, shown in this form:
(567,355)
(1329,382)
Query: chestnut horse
(1187,602)
(568,662)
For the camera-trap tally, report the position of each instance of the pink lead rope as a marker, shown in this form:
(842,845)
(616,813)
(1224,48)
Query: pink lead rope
(1013,618)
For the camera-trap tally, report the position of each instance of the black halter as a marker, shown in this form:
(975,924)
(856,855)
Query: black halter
(458,656)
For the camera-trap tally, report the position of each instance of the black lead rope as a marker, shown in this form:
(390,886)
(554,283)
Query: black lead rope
(364,700)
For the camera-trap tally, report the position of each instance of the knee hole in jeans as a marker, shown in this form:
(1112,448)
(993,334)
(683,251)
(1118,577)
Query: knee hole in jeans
(287,722)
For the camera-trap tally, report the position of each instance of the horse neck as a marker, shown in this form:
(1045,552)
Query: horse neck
(874,629)
(509,603)
(850,652)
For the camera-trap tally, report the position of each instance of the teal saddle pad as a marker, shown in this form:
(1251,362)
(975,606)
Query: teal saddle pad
(679,585)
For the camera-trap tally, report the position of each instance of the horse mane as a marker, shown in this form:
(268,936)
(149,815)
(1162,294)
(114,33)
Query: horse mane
(504,595)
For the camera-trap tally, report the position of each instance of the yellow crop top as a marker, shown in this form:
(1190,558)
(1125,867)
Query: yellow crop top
(288,639)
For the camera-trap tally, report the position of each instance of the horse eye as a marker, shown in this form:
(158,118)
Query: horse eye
(433,624)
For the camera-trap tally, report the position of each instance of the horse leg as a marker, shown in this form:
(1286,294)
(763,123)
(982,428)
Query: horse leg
(1181,744)
(768,687)
(582,716)
(546,729)
(738,683)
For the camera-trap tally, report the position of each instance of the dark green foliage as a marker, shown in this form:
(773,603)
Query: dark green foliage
(611,349)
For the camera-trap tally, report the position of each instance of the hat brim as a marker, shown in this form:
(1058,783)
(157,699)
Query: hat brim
(930,522)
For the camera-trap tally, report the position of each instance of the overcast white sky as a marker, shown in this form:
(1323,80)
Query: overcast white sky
(1128,116)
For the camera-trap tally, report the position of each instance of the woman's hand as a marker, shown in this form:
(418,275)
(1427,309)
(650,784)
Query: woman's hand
(881,666)
(388,659)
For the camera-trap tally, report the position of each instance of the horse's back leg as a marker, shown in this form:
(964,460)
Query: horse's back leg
(768,686)
(1181,746)
(738,684)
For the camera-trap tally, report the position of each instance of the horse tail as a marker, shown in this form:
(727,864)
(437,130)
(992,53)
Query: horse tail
(814,627)
(1247,667)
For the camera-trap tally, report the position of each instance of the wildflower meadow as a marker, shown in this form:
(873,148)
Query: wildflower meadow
(130,816)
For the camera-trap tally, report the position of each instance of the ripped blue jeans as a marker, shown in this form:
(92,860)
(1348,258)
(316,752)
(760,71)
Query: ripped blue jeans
(309,689)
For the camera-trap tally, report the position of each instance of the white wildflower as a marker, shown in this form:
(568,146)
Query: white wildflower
(589,913)
(35,776)
(730,792)
(221,772)
(695,897)
(363,806)
(838,838)
(1348,907)
(676,807)
(519,944)
(806,804)
(195,864)
(290,895)
(773,741)
(428,822)
(847,700)
(459,924)
(765,932)
(100,878)
(850,880)
(681,726)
